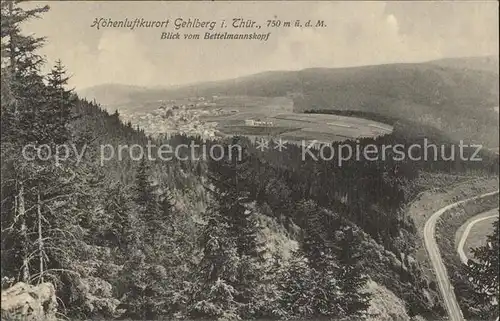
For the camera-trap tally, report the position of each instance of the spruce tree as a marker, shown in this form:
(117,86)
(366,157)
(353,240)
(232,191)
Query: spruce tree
(319,251)
(31,185)
(46,205)
(21,78)
(483,269)
(212,294)
(233,259)
(354,300)
(146,199)
(315,243)
(230,177)
(296,283)
(58,113)
(118,209)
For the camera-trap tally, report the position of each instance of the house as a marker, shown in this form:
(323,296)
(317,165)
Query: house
(263,123)
(259,123)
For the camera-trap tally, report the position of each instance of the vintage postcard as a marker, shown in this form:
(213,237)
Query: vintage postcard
(249,160)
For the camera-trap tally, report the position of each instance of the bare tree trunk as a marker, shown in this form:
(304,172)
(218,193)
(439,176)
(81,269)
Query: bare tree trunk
(40,239)
(24,233)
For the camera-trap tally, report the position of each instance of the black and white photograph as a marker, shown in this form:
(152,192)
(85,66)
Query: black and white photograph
(249,160)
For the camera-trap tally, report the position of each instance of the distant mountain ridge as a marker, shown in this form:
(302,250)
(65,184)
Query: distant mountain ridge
(485,63)
(112,94)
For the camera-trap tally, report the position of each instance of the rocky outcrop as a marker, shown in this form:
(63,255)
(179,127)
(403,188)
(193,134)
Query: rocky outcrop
(29,302)
(385,305)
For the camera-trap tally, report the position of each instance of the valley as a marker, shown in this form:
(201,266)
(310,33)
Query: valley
(255,117)
(382,104)
(457,96)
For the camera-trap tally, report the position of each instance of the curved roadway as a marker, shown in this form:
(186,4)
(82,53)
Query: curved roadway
(463,239)
(449,298)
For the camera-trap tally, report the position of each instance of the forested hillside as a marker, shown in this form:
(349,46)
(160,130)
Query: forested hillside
(264,236)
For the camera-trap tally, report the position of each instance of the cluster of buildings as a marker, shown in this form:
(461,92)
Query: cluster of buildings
(183,117)
(258,123)
(172,119)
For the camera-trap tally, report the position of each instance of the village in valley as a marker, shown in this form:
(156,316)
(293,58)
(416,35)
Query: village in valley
(213,117)
(174,117)
(193,117)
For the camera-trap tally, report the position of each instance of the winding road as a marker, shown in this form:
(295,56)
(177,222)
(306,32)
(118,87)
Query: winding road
(463,239)
(445,287)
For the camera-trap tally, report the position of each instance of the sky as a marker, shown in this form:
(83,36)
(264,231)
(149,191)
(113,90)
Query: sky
(356,33)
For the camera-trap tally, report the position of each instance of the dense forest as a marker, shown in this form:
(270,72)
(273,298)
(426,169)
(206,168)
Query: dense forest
(190,239)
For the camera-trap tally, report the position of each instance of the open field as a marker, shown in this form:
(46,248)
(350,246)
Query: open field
(254,130)
(287,124)
(252,116)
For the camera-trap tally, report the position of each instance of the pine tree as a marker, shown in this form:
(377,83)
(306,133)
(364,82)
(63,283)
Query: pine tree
(213,293)
(146,199)
(151,276)
(230,177)
(21,77)
(24,94)
(46,205)
(483,270)
(233,258)
(232,180)
(319,251)
(353,300)
(296,288)
(62,100)
(144,193)
(315,246)
(118,209)
(145,286)
(334,280)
